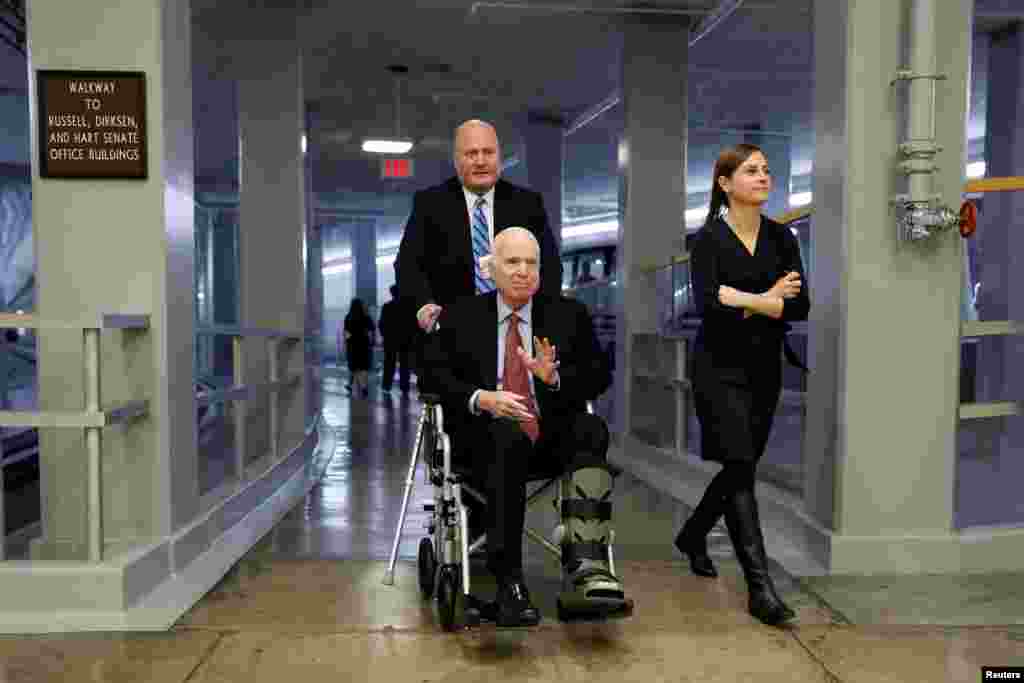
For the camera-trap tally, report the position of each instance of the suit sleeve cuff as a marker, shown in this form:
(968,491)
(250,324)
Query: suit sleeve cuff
(473,407)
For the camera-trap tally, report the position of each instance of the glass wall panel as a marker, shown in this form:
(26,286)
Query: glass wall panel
(217,183)
(18,368)
(989,472)
(990,463)
(339,288)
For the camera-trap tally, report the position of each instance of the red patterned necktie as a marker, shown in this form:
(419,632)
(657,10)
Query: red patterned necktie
(515,377)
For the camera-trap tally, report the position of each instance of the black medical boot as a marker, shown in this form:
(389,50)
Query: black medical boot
(692,539)
(744,525)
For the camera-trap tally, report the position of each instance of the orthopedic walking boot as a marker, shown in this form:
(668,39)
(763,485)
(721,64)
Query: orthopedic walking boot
(692,539)
(744,525)
(589,588)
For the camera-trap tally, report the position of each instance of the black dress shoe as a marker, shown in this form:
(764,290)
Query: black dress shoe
(514,607)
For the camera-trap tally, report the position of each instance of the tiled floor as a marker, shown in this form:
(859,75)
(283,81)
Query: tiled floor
(307,604)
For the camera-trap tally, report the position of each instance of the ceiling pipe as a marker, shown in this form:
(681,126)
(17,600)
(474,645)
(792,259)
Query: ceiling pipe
(711,19)
(923,213)
(585,9)
(724,10)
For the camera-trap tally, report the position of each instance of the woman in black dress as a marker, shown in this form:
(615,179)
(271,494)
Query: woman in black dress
(358,340)
(747,281)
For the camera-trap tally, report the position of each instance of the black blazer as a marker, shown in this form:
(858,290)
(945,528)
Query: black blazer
(462,356)
(435,258)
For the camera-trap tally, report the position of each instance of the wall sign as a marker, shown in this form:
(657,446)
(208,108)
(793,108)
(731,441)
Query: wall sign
(92,124)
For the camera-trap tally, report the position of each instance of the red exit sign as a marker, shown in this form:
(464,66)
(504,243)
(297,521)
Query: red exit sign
(396,167)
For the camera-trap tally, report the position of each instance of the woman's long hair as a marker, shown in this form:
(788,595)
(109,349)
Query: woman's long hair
(729,160)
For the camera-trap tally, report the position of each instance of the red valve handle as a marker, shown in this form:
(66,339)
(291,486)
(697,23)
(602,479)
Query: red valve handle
(968,219)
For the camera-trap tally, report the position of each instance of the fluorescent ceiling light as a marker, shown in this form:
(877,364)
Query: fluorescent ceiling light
(697,215)
(387,146)
(590,229)
(976,169)
(337,269)
(800,199)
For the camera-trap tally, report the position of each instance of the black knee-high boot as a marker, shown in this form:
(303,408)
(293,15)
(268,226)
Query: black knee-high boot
(692,539)
(744,525)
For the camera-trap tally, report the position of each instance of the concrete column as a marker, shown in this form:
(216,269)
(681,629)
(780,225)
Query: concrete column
(778,149)
(110,246)
(364,262)
(273,219)
(313,259)
(881,421)
(545,147)
(652,197)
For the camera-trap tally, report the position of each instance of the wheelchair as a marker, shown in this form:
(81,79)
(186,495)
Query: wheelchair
(443,556)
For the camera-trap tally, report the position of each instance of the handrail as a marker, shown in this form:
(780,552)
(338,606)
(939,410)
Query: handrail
(102,321)
(92,419)
(241,331)
(977,411)
(241,391)
(990,328)
(995,184)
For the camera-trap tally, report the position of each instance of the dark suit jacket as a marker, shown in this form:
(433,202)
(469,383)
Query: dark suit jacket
(462,356)
(435,258)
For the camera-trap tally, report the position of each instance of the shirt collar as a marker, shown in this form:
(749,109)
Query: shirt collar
(471,197)
(524,313)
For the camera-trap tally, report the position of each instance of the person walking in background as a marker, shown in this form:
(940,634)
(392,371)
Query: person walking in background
(358,342)
(748,283)
(397,330)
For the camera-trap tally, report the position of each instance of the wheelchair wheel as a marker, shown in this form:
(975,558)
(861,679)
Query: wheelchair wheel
(427,566)
(448,595)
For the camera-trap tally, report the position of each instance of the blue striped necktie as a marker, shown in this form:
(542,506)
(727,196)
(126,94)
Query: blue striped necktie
(481,246)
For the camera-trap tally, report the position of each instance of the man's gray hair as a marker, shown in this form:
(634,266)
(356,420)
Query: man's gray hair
(515,230)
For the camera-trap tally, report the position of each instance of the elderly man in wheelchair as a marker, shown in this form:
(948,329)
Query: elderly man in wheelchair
(513,374)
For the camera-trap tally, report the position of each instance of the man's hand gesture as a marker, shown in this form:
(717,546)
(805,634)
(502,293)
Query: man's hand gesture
(503,404)
(427,316)
(545,365)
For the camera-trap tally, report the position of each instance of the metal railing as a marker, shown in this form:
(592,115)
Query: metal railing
(241,391)
(92,419)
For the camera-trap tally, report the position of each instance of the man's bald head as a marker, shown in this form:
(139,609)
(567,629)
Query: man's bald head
(477,155)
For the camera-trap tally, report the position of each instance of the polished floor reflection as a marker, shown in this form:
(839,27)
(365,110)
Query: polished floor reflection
(307,603)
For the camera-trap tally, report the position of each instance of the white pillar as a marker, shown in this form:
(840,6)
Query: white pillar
(272,217)
(884,331)
(119,246)
(652,197)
